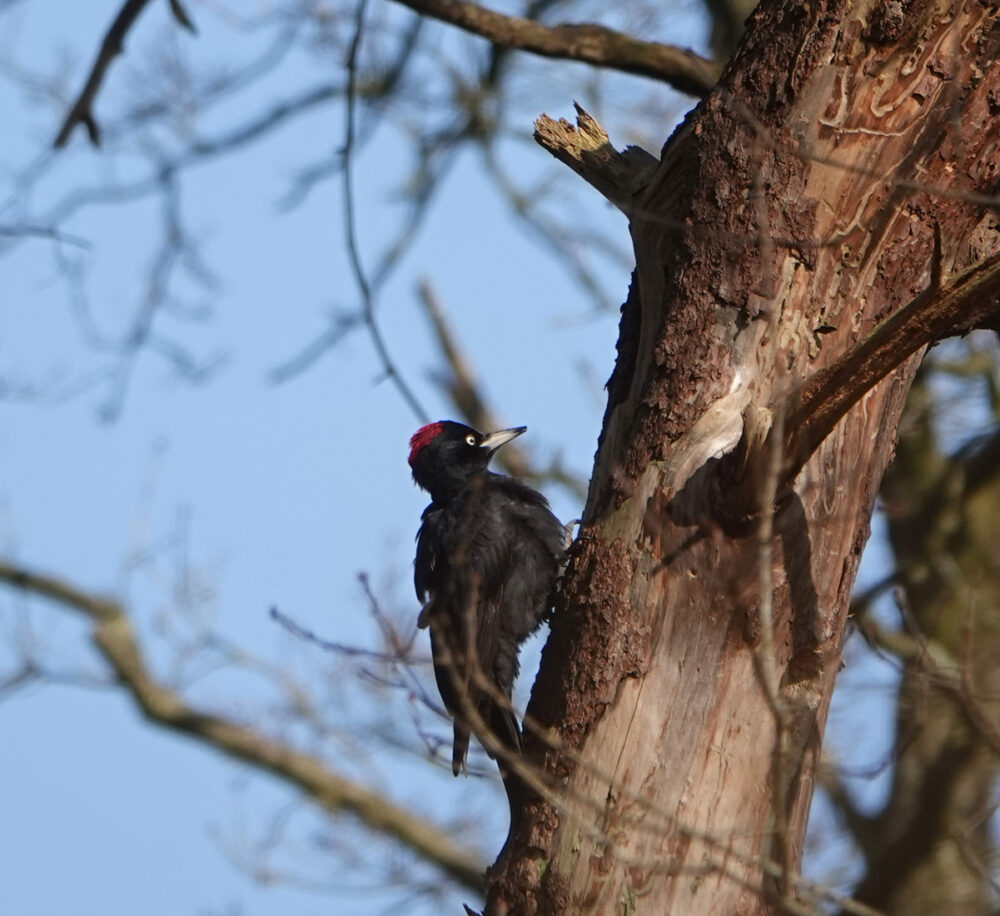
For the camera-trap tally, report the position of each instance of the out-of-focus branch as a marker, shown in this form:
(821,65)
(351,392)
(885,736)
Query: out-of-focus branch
(461,385)
(115,640)
(898,854)
(25,674)
(572,247)
(727,23)
(586,42)
(944,672)
(390,370)
(82,111)
(858,824)
(940,508)
(462,388)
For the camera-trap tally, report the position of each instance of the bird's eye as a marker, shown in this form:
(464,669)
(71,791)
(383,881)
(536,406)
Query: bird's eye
(470,439)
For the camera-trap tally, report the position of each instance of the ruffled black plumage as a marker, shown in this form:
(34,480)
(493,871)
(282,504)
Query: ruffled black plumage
(489,552)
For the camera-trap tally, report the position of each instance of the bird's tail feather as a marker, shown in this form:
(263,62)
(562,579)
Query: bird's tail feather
(502,722)
(505,726)
(460,748)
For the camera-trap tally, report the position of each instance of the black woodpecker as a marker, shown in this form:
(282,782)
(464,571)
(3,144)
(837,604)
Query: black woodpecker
(489,553)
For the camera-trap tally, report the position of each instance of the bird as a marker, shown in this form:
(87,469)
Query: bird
(489,555)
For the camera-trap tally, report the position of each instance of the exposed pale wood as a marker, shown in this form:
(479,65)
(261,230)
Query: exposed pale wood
(587,150)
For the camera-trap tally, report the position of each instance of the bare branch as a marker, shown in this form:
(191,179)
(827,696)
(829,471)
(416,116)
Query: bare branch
(43,232)
(24,675)
(561,234)
(585,42)
(114,42)
(364,287)
(858,824)
(115,640)
(182,17)
(461,385)
(945,308)
(587,150)
(944,672)
(465,393)
(727,23)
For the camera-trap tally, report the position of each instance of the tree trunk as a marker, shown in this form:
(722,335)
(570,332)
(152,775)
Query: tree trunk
(680,705)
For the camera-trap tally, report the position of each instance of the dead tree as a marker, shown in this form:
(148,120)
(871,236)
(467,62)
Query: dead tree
(822,216)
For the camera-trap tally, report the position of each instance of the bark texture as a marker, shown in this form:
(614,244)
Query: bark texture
(791,212)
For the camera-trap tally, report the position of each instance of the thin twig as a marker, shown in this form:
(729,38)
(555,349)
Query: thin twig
(339,648)
(82,110)
(766,657)
(43,232)
(350,228)
(114,637)
(465,393)
(941,669)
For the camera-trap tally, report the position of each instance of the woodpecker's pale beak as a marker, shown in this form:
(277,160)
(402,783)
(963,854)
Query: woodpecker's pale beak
(493,441)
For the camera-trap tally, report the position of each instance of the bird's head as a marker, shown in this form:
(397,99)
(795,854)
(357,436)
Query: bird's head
(445,455)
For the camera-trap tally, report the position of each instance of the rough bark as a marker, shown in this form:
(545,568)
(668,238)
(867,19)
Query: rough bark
(791,212)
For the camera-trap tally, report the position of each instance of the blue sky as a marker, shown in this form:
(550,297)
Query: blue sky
(247,493)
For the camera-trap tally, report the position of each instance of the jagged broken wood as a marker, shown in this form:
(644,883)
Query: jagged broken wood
(586,148)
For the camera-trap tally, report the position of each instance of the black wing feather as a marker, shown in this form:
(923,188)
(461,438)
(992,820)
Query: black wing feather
(428,546)
(484,569)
